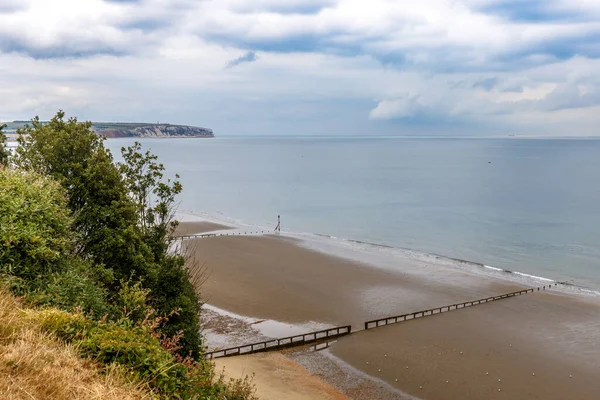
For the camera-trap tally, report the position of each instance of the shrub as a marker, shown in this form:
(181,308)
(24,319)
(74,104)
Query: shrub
(65,325)
(138,352)
(74,289)
(35,234)
(141,354)
(4,152)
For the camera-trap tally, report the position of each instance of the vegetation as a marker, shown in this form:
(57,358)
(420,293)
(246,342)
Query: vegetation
(122,212)
(34,364)
(4,153)
(85,242)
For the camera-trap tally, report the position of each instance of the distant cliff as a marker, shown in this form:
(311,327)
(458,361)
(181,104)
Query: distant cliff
(120,130)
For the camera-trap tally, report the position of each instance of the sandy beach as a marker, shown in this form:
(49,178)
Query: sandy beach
(198,227)
(278,378)
(544,345)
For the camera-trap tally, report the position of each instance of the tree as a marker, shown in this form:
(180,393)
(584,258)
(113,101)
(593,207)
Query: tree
(4,152)
(123,214)
(105,218)
(153,197)
(154,200)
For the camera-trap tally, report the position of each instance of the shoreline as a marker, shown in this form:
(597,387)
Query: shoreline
(355,250)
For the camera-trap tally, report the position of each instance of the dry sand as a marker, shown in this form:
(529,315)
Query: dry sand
(198,227)
(278,378)
(550,335)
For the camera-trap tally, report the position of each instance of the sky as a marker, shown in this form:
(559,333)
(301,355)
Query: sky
(442,67)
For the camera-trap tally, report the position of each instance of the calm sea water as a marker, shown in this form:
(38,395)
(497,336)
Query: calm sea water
(524,205)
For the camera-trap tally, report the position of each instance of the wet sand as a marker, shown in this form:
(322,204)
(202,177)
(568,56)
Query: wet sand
(537,346)
(278,378)
(546,334)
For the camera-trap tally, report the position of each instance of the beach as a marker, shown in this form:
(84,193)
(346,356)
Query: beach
(542,345)
(278,377)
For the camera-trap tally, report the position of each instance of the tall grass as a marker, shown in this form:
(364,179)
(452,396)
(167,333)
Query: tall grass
(35,365)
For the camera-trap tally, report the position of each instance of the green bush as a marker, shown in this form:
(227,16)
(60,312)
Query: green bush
(74,289)
(4,152)
(136,350)
(132,347)
(37,246)
(141,354)
(67,326)
(35,234)
(174,292)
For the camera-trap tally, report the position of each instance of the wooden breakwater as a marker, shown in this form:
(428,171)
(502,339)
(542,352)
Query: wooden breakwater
(282,343)
(209,235)
(438,310)
(324,335)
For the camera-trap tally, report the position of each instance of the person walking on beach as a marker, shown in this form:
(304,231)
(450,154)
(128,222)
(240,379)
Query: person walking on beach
(278,227)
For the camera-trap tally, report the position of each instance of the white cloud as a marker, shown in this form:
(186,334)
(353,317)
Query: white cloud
(397,108)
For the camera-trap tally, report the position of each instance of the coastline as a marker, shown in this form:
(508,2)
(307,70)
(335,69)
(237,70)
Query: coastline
(285,279)
(378,255)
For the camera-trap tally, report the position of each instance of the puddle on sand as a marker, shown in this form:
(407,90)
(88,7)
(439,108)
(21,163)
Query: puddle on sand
(224,329)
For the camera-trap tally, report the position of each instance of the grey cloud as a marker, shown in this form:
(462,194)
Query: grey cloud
(146,24)
(62,50)
(246,58)
(288,7)
(568,96)
(486,84)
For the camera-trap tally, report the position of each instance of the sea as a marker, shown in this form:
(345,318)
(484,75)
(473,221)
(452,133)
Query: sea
(524,205)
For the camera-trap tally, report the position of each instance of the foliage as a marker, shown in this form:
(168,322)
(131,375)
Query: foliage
(123,214)
(77,287)
(154,199)
(174,292)
(133,301)
(4,152)
(37,256)
(143,356)
(88,240)
(65,325)
(35,233)
(105,218)
(35,365)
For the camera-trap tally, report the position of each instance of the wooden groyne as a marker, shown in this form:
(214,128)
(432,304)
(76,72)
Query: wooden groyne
(209,235)
(438,310)
(328,334)
(282,343)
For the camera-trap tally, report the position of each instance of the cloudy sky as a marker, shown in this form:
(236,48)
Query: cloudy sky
(474,67)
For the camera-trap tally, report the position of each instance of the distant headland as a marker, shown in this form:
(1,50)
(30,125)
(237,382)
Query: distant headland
(141,130)
(119,130)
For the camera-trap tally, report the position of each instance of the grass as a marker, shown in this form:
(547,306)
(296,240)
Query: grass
(36,365)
